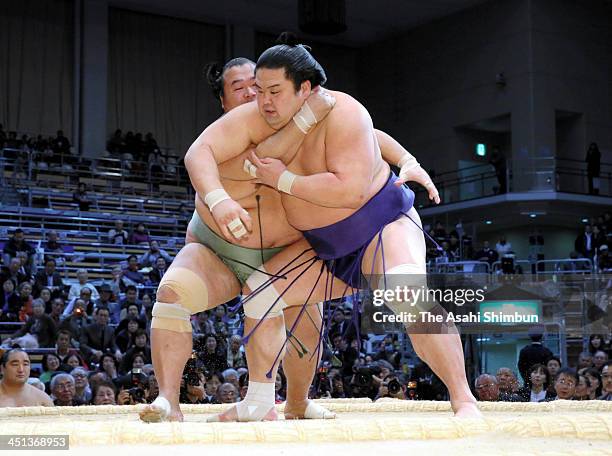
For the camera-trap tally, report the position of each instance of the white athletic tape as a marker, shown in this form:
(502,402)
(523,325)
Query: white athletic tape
(250,168)
(215,197)
(285,181)
(407,162)
(239,232)
(234,224)
(257,306)
(305,118)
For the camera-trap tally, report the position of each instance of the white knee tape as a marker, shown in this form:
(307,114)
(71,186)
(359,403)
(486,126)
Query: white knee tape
(173,311)
(409,281)
(265,295)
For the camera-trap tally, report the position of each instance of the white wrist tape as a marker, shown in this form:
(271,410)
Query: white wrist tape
(285,181)
(305,118)
(249,168)
(215,197)
(407,162)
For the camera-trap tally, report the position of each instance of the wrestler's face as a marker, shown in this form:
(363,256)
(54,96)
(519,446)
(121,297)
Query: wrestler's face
(238,86)
(277,98)
(17,369)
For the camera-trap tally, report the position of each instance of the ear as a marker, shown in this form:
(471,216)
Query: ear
(305,89)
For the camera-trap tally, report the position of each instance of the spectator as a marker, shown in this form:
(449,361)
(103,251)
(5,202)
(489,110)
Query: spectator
(14,388)
(63,345)
(235,353)
(386,388)
(14,272)
(486,254)
(25,296)
(118,235)
(126,336)
(213,381)
(193,394)
(606,376)
(487,388)
(582,389)
(115,144)
(599,359)
(585,359)
(388,352)
(594,377)
(39,326)
(109,365)
(76,321)
(503,247)
(604,261)
(88,304)
(227,394)
(16,245)
(104,393)
(231,376)
(52,245)
(81,385)
(202,325)
(75,289)
(595,343)
(80,197)
(535,353)
(148,258)
(57,309)
(498,160)
(536,385)
(132,272)
(98,337)
(50,365)
(50,279)
(593,160)
(96,378)
(158,271)
(341,325)
(60,144)
(131,297)
(63,390)
(140,235)
(212,357)
(74,360)
(10,303)
(439,231)
(565,384)
(106,299)
(553,365)
(119,283)
(346,354)
(585,242)
(45,297)
(139,347)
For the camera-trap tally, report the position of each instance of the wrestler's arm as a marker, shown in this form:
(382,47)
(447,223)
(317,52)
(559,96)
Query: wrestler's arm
(350,159)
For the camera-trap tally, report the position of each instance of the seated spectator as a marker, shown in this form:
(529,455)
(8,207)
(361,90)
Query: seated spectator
(87,302)
(604,261)
(140,235)
(582,389)
(346,354)
(45,297)
(391,387)
(49,278)
(201,324)
(14,388)
(139,347)
(81,385)
(606,376)
(63,346)
(107,299)
(104,393)
(60,144)
(439,231)
(119,283)
(109,365)
(599,359)
(18,244)
(158,271)
(211,385)
(131,311)
(81,198)
(26,298)
(98,337)
(227,394)
(535,389)
(76,321)
(57,309)
(10,303)
(487,389)
(235,353)
(595,343)
(39,326)
(148,258)
(193,394)
(115,144)
(388,352)
(486,254)
(131,297)
(132,272)
(97,377)
(75,289)
(553,365)
(126,335)
(565,384)
(14,272)
(585,359)
(118,235)
(50,365)
(213,359)
(63,390)
(53,245)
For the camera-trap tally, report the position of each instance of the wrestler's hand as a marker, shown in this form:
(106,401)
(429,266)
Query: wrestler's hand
(321,102)
(232,219)
(268,170)
(419,175)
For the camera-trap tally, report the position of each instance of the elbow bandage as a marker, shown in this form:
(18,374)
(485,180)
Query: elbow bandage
(305,118)
(285,181)
(215,197)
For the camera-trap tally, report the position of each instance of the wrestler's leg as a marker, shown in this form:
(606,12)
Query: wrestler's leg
(196,268)
(404,244)
(267,336)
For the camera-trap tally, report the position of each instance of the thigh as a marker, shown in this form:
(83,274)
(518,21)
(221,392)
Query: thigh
(305,280)
(220,281)
(403,242)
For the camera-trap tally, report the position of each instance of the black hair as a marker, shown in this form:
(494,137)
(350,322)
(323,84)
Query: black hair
(105,383)
(132,256)
(18,231)
(45,361)
(295,59)
(569,372)
(537,367)
(555,358)
(593,372)
(7,354)
(214,73)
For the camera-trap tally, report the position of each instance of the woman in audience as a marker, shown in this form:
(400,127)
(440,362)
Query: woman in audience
(50,365)
(535,389)
(26,299)
(45,297)
(74,360)
(104,393)
(213,358)
(125,338)
(140,235)
(595,343)
(10,304)
(109,365)
(553,365)
(583,388)
(594,377)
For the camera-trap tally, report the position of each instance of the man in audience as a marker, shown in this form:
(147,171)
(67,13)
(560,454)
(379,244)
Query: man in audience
(235,353)
(535,353)
(75,289)
(57,309)
(63,390)
(106,299)
(14,388)
(49,278)
(585,359)
(98,337)
(507,382)
(158,271)
(585,242)
(486,254)
(118,235)
(16,245)
(606,382)
(81,385)
(227,394)
(148,258)
(15,272)
(599,359)
(75,322)
(60,145)
(566,383)
(132,272)
(63,345)
(39,325)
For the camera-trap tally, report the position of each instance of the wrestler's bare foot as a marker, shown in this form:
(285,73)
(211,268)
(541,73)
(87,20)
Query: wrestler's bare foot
(231,414)
(466,409)
(306,410)
(154,413)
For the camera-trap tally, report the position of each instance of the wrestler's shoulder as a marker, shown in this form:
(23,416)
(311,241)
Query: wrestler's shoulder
(346,108)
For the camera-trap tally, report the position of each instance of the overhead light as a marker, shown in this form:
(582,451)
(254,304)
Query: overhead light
(488,222)
(533,215)
(585,220)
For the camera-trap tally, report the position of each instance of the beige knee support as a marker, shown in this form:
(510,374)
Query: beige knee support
(192,297)
(265,295)
(409,284)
